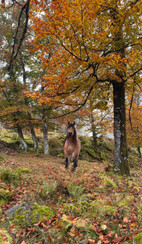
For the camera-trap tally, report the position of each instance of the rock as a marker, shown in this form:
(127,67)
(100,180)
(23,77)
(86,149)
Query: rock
(25,215)
(12,211)
(84,200)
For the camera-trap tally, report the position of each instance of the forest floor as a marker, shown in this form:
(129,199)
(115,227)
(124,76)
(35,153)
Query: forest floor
(92,205)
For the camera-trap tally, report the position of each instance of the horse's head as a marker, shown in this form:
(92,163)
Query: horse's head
(71,129)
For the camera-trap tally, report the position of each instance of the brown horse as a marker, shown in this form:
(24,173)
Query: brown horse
(72,146)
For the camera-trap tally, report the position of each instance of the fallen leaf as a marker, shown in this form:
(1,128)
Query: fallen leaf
(125,220)
(39,223)
(117,239)
(99,242)
(91,241)
(51,238)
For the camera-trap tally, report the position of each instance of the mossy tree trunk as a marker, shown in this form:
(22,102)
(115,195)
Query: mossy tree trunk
(21,138)
(33,133)
(45,137)
(120,152)
(93,131)
(139,151)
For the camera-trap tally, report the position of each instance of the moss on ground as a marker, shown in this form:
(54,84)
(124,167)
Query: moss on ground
(108,182)
(10,176)
(5,237)
(1,158)
(138,238)
(5,195)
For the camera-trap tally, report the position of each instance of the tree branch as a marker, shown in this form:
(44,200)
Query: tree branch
(14,54)
(75,110)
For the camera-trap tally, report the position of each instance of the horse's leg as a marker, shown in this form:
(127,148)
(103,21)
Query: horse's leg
(74,164)
(67,163)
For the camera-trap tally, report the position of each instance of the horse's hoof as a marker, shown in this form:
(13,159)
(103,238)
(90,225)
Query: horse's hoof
(73,169)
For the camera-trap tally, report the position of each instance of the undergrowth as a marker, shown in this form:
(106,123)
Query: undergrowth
(89,206)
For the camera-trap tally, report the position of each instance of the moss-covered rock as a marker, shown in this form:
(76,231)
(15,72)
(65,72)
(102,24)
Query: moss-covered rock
(138,238)
(40,212)
(5,195)
(5,237)
(26,216)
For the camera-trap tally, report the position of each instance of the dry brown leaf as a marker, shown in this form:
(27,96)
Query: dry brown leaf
(91,241)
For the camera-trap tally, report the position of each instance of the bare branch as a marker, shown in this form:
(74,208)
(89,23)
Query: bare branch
(78,108)
(135,72)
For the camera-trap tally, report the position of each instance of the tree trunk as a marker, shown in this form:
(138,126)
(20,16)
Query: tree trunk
(34,138)
(29,115)
(21,138)
(93,131)
(33,133)
(45,137)
(120,152)
(139,151)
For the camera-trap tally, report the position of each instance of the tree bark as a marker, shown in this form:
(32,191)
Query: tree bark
(139,151)
(28,113)
(21,138)
(33,133)
(34,138)
(45,137)
(120,152)
(93,131)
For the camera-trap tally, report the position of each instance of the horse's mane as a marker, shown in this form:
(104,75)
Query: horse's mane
(75,136)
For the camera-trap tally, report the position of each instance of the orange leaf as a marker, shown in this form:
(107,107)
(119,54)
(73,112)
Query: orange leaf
(91,241)
(125,220)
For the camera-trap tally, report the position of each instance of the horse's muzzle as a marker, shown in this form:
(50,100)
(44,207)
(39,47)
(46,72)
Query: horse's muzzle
(69,133)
